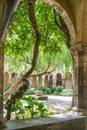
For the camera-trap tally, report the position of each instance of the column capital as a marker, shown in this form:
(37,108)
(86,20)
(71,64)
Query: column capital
(79,48)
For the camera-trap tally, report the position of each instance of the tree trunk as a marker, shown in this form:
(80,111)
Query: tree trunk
(19,93)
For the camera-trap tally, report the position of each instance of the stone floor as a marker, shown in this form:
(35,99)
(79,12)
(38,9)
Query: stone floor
(67,121)
(58,104)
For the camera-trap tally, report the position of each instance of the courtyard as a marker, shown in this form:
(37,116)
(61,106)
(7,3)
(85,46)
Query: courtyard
(38,37)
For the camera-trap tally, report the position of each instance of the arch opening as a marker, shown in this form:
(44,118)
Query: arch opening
(63,16)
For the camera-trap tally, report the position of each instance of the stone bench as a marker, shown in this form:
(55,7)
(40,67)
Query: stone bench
(43,97)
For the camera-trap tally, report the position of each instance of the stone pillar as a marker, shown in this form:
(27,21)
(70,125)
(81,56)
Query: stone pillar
(1,83)
(80,70)
(51,80)
(6,79)
(39,80)
(34,82)
(68,82)
(13,78)
(46,80)
(30,82)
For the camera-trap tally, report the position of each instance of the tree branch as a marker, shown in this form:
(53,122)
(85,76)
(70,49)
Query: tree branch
(19,93)
(36,48)
(63,28)
(45,72)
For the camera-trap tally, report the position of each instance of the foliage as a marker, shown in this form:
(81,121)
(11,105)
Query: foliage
(20,40)
(42,88)
(18,110)
(46,90)
(20,45)
(29,92)
(66,92)
(58,90)
(27,108)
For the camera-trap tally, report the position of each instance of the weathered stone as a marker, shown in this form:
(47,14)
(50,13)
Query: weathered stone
(13,78)
(51,80)
(46,80)
(6,79)
(57,122)
(80,67)
(68,82)
(39,80)
(42,98)
(34,82)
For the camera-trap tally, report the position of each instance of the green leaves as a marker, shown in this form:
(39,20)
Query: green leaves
(27,108)
(20,40)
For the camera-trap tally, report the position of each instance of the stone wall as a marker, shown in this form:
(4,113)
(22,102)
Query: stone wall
(68,82)
(53,79)
(57,122)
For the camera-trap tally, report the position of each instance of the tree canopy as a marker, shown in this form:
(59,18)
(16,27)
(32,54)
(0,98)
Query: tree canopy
(35,41)
(20,41)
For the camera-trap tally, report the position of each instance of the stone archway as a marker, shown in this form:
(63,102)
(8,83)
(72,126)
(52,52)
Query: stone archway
(39,80)
(63,9)
(78,43)
(58,79)
(55,5)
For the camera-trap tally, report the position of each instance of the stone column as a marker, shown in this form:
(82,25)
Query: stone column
(39,80)
(51,80)
(80,70)
(6,79)
(46,80)
(1,83)
(13,78)
(34,82)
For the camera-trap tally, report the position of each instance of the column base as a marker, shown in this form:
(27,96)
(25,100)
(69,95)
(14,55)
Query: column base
(81,112)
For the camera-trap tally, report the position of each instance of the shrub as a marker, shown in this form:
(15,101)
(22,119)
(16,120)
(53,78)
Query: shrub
(48,91)
(45,90)
(56,93)
(29,92)
(66,92)
(58,90)
(42,88)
